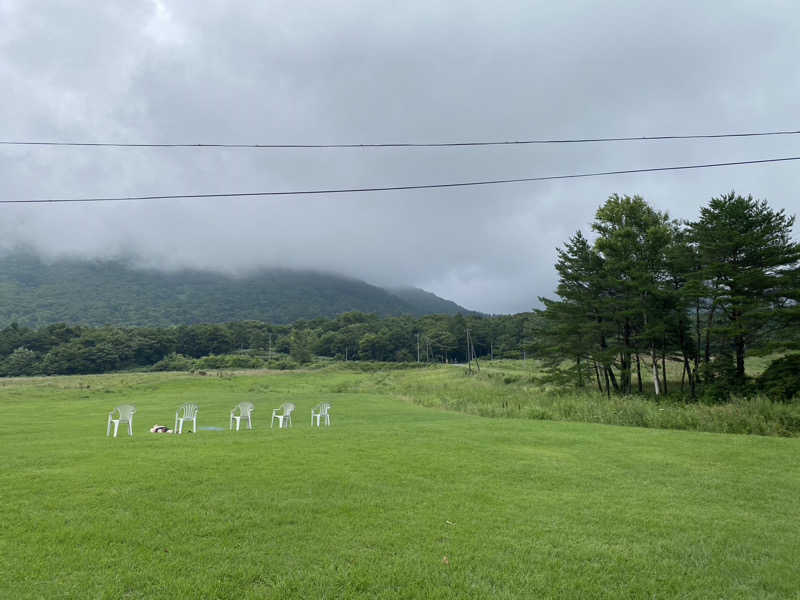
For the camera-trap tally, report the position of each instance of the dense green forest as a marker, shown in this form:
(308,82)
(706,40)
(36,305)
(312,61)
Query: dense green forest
(111,292)
(65,349)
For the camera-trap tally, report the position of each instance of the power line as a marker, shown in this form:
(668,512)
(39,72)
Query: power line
(403,187)
(645,138)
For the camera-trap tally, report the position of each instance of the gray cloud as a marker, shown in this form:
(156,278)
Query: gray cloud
(295,72)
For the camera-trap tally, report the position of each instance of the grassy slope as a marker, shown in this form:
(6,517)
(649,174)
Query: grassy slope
(371,506)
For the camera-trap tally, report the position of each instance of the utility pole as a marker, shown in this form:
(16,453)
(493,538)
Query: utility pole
(469,355)
(474,355)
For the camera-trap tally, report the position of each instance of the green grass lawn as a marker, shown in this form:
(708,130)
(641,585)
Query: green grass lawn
(395,500)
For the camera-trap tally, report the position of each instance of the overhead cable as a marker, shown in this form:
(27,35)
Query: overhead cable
(401,187)
(645,138)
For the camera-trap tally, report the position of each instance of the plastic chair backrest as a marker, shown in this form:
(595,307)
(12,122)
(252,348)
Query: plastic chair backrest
(245,408)
(288,407)
(125,411)
(189,410)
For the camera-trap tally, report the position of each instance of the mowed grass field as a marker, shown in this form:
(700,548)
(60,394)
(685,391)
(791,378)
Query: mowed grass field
(395,500)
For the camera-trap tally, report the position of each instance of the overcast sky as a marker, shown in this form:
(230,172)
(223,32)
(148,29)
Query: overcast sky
(374,72)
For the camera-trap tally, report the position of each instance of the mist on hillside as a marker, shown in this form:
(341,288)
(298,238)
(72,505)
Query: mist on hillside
(174,71)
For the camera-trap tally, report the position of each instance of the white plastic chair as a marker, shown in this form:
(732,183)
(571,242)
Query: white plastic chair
(124,414)
(186,412)
(283,414)
(245,412)
(321,413)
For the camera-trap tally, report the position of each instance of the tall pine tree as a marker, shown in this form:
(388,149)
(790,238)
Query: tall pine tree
(748,264)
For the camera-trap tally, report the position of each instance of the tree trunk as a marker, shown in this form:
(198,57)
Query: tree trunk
(683,352)
(626,374)
(739,357)
(614,383)
(597,374)
(654,360)
(664,366)
(683,373)
(639,373)
(708,333)
(687,368)
(699,337)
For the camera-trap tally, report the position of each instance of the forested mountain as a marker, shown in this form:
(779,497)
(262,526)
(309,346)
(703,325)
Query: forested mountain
(426,302)
(113,292)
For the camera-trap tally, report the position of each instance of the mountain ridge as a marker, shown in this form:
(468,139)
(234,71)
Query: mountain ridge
(35,292)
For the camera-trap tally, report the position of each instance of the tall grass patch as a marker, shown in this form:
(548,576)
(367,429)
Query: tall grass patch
(515,389)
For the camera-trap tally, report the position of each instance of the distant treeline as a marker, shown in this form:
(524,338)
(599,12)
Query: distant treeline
(63,349)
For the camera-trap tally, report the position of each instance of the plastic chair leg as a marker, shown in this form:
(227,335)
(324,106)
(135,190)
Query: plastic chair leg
(130,428)
(116,426)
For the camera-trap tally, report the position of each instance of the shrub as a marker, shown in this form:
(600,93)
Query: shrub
(282,364)
(174,362)
(240,361)
(781,379)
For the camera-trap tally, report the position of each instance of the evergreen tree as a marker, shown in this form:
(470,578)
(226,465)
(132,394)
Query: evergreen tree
(633,241)
(576,327)
(749,264)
